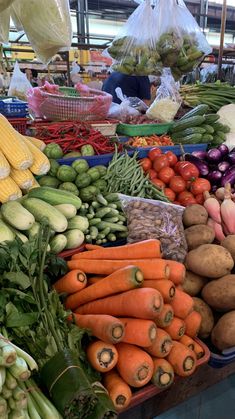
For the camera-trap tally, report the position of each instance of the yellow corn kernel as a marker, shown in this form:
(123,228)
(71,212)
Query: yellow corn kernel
(23,178)
(38,143)
(4,166)
(9,190)
(41,164)
(13,147)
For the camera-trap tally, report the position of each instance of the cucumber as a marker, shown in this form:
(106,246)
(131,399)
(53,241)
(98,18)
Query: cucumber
(194,121)
(221,127)
(112,226)
(101,200)
(189,131)
(41,210)
(68,210)
(50,181)
(112,197)
(17,216)
(199,110)
(78,222)
(6,234)
(111,219)
(75,238)
(111,237)
(94,232)
(58,243)
(207,138)
(221,135)
(209,129)
(94,221)
(55,196)
(103,212)
(189,139)
(211,118)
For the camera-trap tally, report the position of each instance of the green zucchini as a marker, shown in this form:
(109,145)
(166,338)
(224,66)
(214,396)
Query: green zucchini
(17,216)
(199,110)
(188,131)
(211,118)
(189,139)
(55,196)
(41,210)
(194,121)
(209,129)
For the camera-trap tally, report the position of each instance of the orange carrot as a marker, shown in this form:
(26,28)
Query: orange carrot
(147,249)
(193,324)
(177,272)
(73,281)
(198,350)
(122,280)
(166,288)
(134,365)
(94,279)
(89,246)
(187,341)
(139,332)
(163,373)
(102,356)
(176,329)
(104,327)
(106,267)
(162,345)
(142,303)
(182,359)
(165,317)
(182,304)
(180,287)
(118,389)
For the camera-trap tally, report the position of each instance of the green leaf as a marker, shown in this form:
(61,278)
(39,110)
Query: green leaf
(21,319)
(18,278)
(26,297)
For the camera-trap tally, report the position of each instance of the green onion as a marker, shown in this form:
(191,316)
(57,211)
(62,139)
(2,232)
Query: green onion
(11,382)
(16,415)
(28,358)
(6,392)
(20,369)
(46,408)
(19,394)
(3,406)
(7,354)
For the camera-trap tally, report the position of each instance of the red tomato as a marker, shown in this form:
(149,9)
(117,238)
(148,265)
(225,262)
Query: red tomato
(166,174)
(188,184)
(177,166)
(170,194)
(199,186)
(200,199)
(183,195)
(188,171)
(177,184)
(152,174)
(159,183)
(188,201)
(160,162)
(146,164)
(155,152)
(172,158)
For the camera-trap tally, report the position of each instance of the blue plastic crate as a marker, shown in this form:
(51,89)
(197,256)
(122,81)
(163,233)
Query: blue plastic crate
(226,357)
(13,107)
(143,152)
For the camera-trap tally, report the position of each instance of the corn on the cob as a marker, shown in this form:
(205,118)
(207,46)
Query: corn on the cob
(23,178)
(38,143)
(34,185)
(13,147)
(41,164)
(9,190)
(4,166)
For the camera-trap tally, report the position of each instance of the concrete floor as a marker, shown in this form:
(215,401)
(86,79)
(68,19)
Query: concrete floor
(218,402)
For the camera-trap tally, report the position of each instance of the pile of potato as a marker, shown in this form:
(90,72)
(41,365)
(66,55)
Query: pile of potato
(210,279)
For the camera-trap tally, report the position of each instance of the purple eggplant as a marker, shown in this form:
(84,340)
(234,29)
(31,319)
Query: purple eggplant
(200,164)
(215,177)
(229,176)
(231,157)
(214,188)
(223,149)
(200,154)
(214,155)
(223,166)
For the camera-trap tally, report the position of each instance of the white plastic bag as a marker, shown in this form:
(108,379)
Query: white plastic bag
(4,25)
(154,37)
(47,24)
(123,111)
(19,85)
(74,74)
(4,4)
(168,100)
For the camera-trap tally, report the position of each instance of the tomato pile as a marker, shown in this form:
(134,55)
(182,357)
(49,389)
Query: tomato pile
(178,178)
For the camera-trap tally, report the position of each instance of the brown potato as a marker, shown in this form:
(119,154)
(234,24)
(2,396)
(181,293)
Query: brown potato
(198,235)
(207,323)
(229,244)
(193,283)
(223,334)
(194,215)
(210,260)
(220,293)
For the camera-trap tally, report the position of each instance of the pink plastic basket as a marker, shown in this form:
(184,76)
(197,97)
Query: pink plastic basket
(94,106)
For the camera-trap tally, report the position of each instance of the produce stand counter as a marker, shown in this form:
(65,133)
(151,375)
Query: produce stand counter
(147,404)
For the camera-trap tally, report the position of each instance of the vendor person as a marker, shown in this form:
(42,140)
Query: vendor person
(132,86)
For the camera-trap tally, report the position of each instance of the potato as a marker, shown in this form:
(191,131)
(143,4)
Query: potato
(229,244)
(198,235)
(207,323)
(210,260)
(193,283)
(194,215)
(223,334)
(220,293)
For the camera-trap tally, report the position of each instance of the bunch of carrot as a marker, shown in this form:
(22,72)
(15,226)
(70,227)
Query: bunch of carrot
(144,324)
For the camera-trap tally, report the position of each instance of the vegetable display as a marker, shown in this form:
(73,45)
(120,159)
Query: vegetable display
(214,95)
(153,140)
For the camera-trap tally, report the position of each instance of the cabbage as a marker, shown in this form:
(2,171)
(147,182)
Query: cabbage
(47,24)
(163,109)
(226,114)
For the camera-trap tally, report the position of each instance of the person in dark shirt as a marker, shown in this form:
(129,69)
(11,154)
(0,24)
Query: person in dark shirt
(132,86)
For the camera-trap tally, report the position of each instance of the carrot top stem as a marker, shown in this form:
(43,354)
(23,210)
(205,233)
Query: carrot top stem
(105,357)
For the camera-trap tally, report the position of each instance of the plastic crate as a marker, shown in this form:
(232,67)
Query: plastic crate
(107,128)
(144,129)
(20,124)
(12,107)
(220,360)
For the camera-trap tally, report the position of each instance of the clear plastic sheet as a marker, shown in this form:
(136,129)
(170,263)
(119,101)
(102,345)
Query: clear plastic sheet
(149,219)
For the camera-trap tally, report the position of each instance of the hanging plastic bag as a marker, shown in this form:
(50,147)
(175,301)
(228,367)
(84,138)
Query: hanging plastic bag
(168,100)
(19,85)
(74,74)
(17,23)
(47,24)
(4,4)
(4,25)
